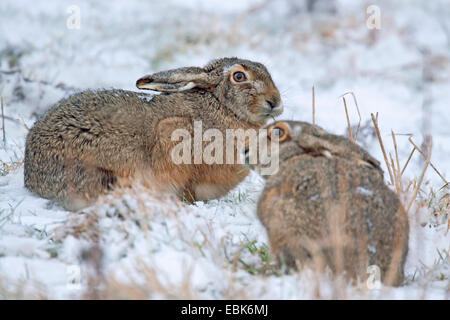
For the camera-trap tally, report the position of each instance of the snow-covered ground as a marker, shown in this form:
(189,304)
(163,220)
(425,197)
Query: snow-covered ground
(160,248)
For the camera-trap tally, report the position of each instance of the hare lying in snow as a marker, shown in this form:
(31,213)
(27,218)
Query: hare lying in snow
(94,140)
(328,204)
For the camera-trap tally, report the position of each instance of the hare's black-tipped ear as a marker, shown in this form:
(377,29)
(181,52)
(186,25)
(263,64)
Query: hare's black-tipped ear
(176,80)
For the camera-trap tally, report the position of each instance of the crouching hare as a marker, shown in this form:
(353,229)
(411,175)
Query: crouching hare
(327,205)
(93,141)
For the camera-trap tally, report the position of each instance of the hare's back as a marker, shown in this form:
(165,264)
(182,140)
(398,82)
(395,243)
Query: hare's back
(323,185)
(96,112)
(108,104)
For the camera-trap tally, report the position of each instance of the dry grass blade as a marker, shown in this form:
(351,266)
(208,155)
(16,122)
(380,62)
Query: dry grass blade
(431,164)
(19,121)
(408,187)
(380,140)
(348,121)
(424,170)
(396,173)
(357,109)
(313,106)
(407,161)
(396,149)
(397,169)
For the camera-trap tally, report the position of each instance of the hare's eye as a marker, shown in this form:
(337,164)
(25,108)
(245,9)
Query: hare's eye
(239,76)
(277,132)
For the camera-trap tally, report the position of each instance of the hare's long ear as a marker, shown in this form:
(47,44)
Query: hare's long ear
(176,80)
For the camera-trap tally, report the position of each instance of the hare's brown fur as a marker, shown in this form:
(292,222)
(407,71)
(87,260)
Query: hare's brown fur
(95,140)
(328,204)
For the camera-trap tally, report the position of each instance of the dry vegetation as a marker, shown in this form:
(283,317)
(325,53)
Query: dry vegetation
(248,265)
(253,258)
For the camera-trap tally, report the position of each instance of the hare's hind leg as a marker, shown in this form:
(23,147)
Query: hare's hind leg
(69,183)
(44,172)
(84,184)
(55,170)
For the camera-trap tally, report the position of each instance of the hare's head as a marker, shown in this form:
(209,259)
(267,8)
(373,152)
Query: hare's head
(283,140)
(276,143)
(243,86)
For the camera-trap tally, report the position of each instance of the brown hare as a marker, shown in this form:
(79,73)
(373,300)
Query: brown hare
(92,141)
(327,204)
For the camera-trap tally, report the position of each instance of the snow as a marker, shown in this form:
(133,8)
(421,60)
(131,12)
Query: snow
(363,191)
(202,251)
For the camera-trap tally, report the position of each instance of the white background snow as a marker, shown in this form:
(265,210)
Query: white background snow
(401,71)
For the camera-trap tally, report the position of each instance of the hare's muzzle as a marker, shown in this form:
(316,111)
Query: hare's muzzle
(273,108)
